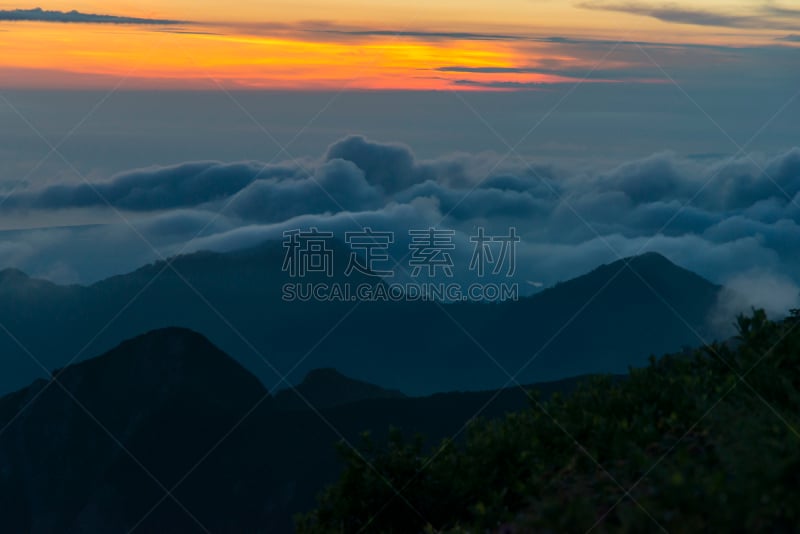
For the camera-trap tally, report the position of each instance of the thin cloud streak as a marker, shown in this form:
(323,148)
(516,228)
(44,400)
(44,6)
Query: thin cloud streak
(770,17)
(40,15)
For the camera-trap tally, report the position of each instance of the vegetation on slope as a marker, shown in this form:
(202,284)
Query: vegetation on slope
(701,442)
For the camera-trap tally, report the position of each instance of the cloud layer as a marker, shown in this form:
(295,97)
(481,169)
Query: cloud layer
(723,218)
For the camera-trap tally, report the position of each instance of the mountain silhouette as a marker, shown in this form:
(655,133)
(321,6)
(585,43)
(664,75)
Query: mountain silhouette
(604,321)
(166,433)
(326,388)
(72,457)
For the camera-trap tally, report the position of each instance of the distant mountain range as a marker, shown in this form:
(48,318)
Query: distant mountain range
(327,388)
(165,433)
(604,321)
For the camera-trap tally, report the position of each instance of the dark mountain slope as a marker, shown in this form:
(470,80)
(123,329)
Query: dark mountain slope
(179,406)
(326,388)
(654,305)
(416,347)
(166,397)
(602,322)
(217,294)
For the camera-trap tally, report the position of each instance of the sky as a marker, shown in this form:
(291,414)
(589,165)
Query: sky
(599,128)
(377,45)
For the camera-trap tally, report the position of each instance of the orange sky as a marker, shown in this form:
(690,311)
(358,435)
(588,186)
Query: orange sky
(247,44)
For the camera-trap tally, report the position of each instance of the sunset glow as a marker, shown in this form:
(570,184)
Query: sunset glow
(482,49)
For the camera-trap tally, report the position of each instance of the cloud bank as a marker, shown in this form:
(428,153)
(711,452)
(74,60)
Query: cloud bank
(723,218)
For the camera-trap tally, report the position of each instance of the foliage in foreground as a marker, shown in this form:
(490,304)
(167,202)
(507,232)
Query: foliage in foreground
(707,442)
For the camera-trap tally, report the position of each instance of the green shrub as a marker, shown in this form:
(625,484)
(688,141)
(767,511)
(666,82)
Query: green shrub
(706,442)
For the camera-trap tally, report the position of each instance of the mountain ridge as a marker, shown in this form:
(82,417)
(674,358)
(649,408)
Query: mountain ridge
(234,299)
(168,409)
(328,387)
(651,257)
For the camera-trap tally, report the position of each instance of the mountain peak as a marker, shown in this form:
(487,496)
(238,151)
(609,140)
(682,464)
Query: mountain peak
(177,361)
(650,258)
(159,402)
(170,344)
(649,267)
(653,255)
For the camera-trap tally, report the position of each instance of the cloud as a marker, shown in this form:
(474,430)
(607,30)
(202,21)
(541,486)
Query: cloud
(156,188)
(389,166)
(325,30)
(354,174)
(578,73)
(185,32)
(480,203)
(569,76)
(717,216)
(337,185)
(500,84)
(776,294)
(780,11)
(674,13)
(40,15)
(457,36)
(331,28)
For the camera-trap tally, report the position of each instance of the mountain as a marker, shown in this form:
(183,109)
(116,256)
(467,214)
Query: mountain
(71,460)
(604,321)
(326,388)
(98,450)
(647,453)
